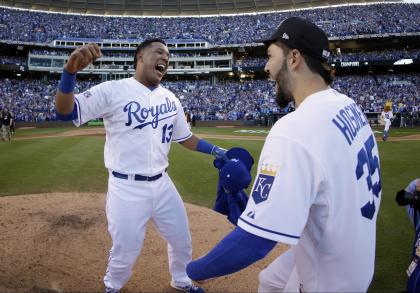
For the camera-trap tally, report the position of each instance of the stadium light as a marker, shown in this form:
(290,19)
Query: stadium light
(403,62)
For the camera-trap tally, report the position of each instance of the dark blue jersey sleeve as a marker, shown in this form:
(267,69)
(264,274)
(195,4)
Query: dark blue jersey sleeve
(236,251)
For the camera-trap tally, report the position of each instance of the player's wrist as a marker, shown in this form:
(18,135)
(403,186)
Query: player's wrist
(67,82)
(204,146)
(218,152)
(69,69)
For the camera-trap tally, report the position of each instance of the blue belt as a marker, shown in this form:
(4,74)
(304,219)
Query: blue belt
(137,177)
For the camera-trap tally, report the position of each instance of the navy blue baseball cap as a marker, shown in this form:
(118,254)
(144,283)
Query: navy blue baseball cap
(303,35)
(241,154)
(235,176)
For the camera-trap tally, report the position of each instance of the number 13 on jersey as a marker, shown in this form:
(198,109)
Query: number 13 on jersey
(167,133)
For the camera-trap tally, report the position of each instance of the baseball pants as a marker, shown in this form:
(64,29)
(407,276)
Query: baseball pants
(130,205)
(5,132)
(387,125)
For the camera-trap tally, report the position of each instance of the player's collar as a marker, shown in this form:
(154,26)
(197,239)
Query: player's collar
(313,97)
(143,86)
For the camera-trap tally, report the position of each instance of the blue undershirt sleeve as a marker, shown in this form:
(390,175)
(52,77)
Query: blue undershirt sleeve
(236,251)
(68,117)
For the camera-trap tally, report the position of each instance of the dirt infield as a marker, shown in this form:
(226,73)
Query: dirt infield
(59,243)
(101,131)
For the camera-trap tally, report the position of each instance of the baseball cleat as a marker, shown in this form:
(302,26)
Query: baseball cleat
(111,290)
(188,288)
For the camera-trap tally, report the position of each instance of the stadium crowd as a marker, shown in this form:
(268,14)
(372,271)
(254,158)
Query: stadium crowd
(126,54)
(243,62)
(372,91)
(394,54)
(33,100)
(40,27)
(13,60)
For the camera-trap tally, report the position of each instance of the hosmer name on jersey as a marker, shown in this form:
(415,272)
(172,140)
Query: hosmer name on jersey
(349,121)
(142,114)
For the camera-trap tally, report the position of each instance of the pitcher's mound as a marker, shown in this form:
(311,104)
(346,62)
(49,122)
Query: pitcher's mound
(59,243)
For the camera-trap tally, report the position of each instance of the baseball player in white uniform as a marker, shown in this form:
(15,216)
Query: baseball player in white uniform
(141,120)
(387,117)
(318,185)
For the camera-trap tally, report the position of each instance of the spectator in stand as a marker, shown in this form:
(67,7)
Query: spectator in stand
(32,99)
(392,55)
(39,27)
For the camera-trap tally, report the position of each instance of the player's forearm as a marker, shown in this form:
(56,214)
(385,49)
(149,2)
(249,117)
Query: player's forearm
(64,103)
(78,59)
(64,98)
(235,252)
(204,146)
(191,143)
(200,145)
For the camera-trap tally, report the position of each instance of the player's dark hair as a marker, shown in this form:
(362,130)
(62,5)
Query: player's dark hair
(326,71)
(144,45)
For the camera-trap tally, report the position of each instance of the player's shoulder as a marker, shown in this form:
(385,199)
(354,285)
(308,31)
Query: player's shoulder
(106,85)
(287,126)
(317,110)
(120,82)
(168,93)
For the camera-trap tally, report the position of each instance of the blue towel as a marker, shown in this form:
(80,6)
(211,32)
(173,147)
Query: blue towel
(234,177)
(230,204)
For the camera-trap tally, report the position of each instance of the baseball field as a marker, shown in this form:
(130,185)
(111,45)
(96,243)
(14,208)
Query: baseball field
(53,229)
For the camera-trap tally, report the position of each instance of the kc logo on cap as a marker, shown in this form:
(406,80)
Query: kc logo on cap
(285,36)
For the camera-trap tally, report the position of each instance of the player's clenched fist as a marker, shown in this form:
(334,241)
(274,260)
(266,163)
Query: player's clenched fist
(82,57)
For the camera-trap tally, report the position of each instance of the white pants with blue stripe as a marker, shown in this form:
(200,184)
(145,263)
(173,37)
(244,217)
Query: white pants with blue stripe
(130,205)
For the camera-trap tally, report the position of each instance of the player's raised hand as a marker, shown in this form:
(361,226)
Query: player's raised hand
(82,57)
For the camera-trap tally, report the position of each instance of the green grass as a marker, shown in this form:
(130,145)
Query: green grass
(40,131)
(75,164)
(400,163)
(56,164)
(398,131)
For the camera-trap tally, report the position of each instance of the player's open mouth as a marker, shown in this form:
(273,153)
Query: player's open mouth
(160,68)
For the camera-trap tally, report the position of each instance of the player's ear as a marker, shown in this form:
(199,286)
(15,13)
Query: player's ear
(140,56)
(294,59)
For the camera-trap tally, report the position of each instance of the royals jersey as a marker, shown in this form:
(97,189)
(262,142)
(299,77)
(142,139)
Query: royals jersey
(318,189)
(387,117)
(140,124)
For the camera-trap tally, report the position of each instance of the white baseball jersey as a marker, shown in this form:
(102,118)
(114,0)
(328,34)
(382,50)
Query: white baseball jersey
(140,124)
(318,189)
(387,117)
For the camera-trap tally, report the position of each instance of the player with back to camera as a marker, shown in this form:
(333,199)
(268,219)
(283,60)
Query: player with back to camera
(318,185)
(141,120)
